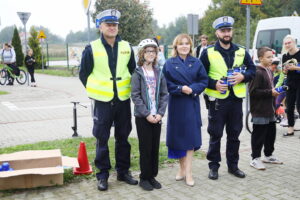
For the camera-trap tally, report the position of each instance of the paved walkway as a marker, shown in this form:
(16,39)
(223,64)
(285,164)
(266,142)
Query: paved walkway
(29,115)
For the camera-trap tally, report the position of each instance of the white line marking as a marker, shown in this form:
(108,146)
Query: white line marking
(53,107)
(10,105)
(13,107)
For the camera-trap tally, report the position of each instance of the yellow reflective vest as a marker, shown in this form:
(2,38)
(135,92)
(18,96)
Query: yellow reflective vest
(100,83)
(218,69)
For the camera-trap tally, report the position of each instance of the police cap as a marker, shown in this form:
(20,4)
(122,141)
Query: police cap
(223,22)
(110,16)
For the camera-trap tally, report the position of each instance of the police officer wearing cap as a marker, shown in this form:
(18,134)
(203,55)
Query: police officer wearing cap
(225,102)
(106,68)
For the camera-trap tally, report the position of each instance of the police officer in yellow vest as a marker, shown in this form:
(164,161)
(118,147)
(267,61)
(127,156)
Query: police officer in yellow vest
(106,68)
(225,100)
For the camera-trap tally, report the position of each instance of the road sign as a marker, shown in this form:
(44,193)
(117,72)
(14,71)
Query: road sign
(24,16)
(193,24)
(86,5)
(42,35)
(251,2)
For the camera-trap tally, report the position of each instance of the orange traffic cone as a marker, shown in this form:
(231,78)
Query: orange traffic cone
(84,166)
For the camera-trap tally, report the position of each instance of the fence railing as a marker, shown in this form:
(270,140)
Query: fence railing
(69,54)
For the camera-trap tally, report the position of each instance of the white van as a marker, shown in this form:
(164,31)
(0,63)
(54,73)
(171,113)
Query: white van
(270,32)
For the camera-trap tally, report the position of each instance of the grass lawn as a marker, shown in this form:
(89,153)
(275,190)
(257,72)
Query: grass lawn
(57,58)
(3,92)
(55,72)
(69,147)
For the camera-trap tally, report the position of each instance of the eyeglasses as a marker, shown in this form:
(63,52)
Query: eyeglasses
(286,43)
(148,52)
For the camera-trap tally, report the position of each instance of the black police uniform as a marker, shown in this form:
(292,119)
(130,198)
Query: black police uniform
(226,111)
(107,113)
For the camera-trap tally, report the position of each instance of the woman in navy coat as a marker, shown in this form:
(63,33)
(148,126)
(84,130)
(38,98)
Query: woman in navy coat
(186,80)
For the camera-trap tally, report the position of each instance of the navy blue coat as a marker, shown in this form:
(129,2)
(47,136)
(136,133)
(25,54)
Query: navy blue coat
(184,117)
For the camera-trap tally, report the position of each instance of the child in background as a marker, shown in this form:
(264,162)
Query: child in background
(30,62)
(279,80)
(262,108)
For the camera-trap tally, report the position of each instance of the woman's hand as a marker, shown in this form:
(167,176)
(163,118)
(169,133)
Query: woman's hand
(186,90)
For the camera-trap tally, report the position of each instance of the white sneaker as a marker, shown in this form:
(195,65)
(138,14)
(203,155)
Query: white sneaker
(257,164)
(284,122)
(272,159)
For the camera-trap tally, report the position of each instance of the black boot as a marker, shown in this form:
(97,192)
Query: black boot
(102,184)
(155,183)
(127,178)
(146,185)
(213,174)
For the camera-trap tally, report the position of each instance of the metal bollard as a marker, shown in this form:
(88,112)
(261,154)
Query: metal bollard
(74,128)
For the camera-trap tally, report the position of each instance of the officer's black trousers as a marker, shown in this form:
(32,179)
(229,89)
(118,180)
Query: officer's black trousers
(149,139)
(263,135)
(292,98)
(224,112)
(105,113)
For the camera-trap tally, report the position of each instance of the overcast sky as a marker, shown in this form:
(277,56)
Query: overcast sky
(62,16)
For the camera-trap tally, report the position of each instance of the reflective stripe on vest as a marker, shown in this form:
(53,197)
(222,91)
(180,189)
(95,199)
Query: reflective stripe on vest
(100,84)
(218,69)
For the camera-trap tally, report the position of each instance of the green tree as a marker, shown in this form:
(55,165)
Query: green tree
(81,36)
(34,44)
(6,34)
(270,8)
(135,21)
(16,43)
(171,31)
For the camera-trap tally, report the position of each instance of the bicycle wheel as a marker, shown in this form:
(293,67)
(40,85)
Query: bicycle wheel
(22,78)
(75,70)
(3,77)
(248,122)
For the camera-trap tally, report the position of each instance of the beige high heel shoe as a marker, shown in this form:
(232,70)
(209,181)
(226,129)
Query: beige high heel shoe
(179,177)
(190,182)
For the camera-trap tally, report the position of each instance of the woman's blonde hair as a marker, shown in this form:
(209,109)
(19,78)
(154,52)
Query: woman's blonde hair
(28,50)
(178,40)
(284,50)
(141,58)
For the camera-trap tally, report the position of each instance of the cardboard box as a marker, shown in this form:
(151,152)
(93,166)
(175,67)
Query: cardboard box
(34,169)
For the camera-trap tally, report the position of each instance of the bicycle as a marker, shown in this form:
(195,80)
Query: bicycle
(278,117)
(21,78)
(75,70)
(248,119)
